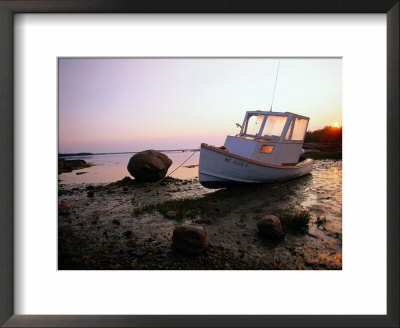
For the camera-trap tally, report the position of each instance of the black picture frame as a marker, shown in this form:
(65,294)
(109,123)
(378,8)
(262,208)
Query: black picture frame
(10,7)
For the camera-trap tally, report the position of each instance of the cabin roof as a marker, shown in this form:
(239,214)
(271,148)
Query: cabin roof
(276,113)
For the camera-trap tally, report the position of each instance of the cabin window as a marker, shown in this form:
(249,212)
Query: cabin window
(253,124)
(274,125)
(299,130)
(266,149)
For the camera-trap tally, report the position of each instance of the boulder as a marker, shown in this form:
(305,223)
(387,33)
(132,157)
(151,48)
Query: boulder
(149,165)
(270,226)
(189,240)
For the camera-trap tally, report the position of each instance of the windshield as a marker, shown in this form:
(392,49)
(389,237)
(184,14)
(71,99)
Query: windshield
(274,126)
(253,124)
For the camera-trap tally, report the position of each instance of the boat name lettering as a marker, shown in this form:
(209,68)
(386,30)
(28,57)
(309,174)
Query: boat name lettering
(235,162)
(239,163)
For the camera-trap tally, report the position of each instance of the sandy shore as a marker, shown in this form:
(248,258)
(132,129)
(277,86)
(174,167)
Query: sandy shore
(132,236)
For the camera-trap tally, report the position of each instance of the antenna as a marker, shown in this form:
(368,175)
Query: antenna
(276,79)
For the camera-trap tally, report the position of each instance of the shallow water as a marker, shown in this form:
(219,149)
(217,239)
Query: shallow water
(112,167)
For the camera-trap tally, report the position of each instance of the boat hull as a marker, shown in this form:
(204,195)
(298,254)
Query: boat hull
(218,168)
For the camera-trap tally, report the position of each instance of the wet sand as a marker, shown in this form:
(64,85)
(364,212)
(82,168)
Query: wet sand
(126,238)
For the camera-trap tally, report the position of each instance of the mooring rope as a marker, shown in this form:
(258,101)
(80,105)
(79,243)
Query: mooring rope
(147,189)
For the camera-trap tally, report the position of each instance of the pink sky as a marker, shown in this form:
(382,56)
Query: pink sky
(131,104)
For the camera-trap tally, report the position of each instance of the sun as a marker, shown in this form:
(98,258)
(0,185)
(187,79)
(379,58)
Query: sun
(335,125)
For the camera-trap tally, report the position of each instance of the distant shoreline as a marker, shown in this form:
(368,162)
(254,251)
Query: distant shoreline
(126,152)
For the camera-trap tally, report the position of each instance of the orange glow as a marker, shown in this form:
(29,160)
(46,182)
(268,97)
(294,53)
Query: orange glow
(335,125)
(266,149)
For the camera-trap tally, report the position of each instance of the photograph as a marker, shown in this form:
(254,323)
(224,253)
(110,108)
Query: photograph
(199,163)
(181,164)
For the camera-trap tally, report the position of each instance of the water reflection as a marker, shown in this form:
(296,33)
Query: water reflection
(112,167)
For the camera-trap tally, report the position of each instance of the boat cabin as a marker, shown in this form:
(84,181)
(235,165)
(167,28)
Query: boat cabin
(270,137)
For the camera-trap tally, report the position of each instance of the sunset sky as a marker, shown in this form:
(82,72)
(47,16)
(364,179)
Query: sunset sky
(132,104)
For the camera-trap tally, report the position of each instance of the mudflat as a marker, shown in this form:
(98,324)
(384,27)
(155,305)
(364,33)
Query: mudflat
(125,225)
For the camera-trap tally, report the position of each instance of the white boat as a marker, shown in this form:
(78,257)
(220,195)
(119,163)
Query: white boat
(267,149)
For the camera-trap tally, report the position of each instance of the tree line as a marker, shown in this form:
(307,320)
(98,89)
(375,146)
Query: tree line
(327,134)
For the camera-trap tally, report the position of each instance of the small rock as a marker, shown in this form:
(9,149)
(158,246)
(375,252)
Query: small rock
(134,263)
(138,253)
(189,240)
(321,220)
(190,214)
(171,215)
(90,193)
(270,226)
(204,220)
(313,236)
(128,233)
(115,221)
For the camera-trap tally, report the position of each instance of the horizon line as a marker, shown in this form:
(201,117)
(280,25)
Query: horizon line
(125,152)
